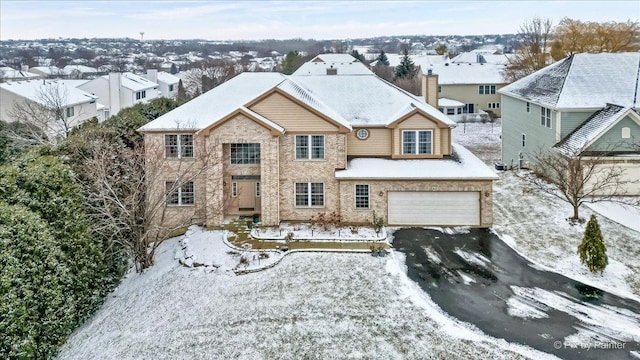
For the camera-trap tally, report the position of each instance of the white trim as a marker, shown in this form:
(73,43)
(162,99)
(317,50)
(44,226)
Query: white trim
(417,143)
(355,197)
(309,193)
(309,147)
(632,114)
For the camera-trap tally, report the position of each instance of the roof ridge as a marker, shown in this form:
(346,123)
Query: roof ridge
(564,80)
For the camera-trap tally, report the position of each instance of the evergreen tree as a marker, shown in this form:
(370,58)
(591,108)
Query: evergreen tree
(592,251)
(406,69)
(358,56)
(174,69)
(382,59)
(182,93)
(291,62)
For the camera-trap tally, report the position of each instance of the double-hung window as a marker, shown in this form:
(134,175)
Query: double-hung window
(486,89)
(362,196)
(178,146)
(141,94)
(545,117)
(417,142)
(309,194)
(180,194)
(309,147)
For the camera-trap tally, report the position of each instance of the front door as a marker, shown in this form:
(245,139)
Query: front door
(246,195)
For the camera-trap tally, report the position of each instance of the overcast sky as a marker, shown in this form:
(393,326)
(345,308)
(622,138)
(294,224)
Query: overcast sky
(254,20)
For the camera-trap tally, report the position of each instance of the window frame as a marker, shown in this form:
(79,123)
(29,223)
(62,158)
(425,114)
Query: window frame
(545,117)
(625,133)
(181,150)
(357,197)
(244,147)
(309,147)
(523,139)
(528,107)
(417,142)
(309,193)
(486,89)
(181,194)
(70,111)
(493,105)
(365,133)
(142,94)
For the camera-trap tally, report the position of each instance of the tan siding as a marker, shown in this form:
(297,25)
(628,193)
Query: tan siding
(377,144)
(290,115)
(469,94)
(446,141)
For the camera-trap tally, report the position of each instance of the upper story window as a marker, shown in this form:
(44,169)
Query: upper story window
(141,94)
(243,154)
(626,132)
(486,89)
(545,117)
(417,142)
(180,194)
(439,88)
(178,146)
(70,111)
(309,147)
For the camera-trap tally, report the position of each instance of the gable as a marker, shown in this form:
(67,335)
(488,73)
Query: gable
(292,115)
(417,119)
(612,140)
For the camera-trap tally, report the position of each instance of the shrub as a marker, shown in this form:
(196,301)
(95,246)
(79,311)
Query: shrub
(592,250)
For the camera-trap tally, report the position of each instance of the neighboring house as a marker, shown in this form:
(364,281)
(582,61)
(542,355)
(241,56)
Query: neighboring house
(291,147)
(474,84)
(80,71)
(76,105)
(48,72)
(333,64)
(10,74)
(422,61)
(117,91)
(585,104)
(167,83)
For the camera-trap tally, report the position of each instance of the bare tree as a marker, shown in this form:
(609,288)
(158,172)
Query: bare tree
(575,36)
(129,189)
(209,74)
(579,179)
(533,52)
(46,116)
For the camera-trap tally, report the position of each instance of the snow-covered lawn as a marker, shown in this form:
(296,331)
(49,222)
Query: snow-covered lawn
(307,232)
(310,306)
(626,215)
(535,224)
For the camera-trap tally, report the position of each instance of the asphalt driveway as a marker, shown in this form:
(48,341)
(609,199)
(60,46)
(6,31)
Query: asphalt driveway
(477,278)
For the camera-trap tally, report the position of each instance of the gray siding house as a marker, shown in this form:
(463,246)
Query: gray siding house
(585,104)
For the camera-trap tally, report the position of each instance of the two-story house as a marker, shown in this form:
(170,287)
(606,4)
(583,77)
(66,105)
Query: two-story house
(290,147)
(57,98)
(474,84)
(117,91)
(585,104)
(167,83)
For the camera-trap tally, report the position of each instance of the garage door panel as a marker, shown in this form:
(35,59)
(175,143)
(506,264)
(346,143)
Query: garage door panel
(434,208)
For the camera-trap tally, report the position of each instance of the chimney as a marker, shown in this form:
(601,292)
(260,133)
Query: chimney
(430,88)
(152,75)
(115,83)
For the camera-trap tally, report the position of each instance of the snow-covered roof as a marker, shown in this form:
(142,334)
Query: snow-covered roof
(167,78)
(35,90)
(446,102)
(343,64)
(80,68)
(9,73)
(583,81)
(591,129)
(468,166)
(479,57)
(215,104)
(467,73)
(366,100)
(134,82)
(49,70)
(418,60)
(350,100)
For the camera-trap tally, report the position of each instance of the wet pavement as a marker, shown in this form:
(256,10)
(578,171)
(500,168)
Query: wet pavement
(477,278)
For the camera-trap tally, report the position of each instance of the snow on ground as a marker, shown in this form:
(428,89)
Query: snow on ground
(535,224)
(320,306)
(207,249)
(626,215)
(308,232)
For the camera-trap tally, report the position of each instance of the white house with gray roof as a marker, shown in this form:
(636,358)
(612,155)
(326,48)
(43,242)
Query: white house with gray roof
(117,91)
(585,104)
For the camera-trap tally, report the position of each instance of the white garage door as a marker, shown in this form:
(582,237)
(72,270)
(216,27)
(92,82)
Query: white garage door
(434,208)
